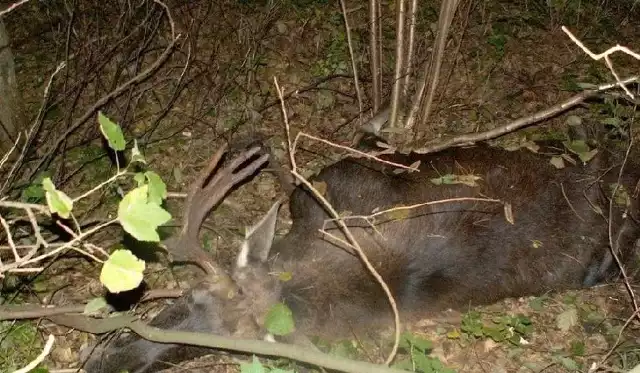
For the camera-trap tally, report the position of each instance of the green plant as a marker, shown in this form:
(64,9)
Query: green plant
(499,328)
(417,350)
(33,193)
(139,212)
(19,344)
(255,366)
(498,39)
(336,59)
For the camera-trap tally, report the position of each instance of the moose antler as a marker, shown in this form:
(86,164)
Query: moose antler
(204,194)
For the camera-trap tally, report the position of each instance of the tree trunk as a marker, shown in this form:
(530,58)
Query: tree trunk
(8,94)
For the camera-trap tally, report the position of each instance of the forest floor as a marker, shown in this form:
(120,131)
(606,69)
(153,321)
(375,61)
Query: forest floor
(504,61)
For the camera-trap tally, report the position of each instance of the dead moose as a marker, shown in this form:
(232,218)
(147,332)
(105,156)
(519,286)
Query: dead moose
(433,258)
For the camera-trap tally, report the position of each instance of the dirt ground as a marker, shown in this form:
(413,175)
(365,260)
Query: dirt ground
(505,60)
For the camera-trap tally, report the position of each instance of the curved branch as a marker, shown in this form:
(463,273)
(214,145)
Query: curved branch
(250,346)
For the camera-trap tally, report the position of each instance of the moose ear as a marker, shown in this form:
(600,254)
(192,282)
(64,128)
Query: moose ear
(258,239)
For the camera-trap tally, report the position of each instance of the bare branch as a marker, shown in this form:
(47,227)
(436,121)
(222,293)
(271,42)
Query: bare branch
(605,55)
(373,50)
(467,139)
(13,7)
(344,228)
(354,67)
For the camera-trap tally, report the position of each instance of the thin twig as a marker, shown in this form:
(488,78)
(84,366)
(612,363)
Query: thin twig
(417,205)
(102,184)
(71,242)
(344,228)
(359,153)
(43,209)
(605,55)
(73,234)
(34,128)
(10,239)
(5,157)
(374,55)
(12,7)
(144,75)
(354,66)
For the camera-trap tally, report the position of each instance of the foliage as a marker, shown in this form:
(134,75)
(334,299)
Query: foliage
(513,329)
(34,192)
(122,272)
(140,212)
(279,320)
(19,344)
(418,349)
(255,366)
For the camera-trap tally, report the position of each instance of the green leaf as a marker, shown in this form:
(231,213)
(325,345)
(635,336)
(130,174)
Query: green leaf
(57,200)
(451,179)
(410,340)
(34,193)
(136,155)
(621,197)
(567,319)
(615,122)
(344,348)
(581,149)
(577,146)
(577,348)
(422,362)
(586,157)
(95,305)
(454,334)
(285,276)
(568,363)
(139,178)
(279,320)
(157,188)
(122,271)
(112,132)
(403,364)
(140,217)
(39,370)
(254,366)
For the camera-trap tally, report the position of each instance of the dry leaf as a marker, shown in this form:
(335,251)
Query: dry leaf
(508,213)
(469,180)
(557,162)
(320,186)
(399,214)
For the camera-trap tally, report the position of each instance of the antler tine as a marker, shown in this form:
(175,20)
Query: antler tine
(203,196)
(224,180)
(201,180)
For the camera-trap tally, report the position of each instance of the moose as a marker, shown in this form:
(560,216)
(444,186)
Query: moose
(562,231)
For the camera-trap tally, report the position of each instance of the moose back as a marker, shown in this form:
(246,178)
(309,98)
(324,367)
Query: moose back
(464,252)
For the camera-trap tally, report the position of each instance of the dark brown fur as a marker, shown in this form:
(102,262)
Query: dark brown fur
(440,256)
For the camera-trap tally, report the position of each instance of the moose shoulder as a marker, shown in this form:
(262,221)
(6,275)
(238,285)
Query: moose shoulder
(452,254)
